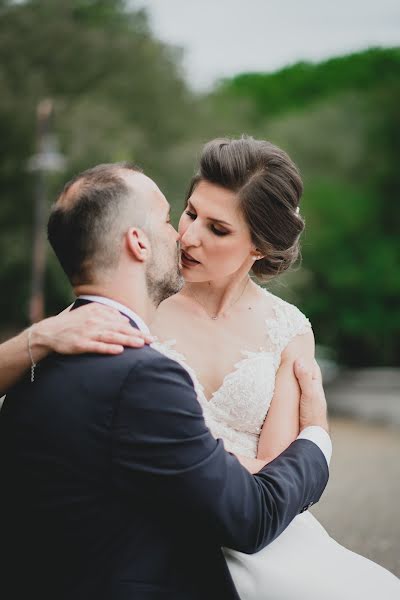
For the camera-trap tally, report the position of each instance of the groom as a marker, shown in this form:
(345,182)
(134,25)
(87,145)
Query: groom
(112,486)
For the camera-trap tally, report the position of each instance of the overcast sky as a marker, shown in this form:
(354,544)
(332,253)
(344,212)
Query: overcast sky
(226,37)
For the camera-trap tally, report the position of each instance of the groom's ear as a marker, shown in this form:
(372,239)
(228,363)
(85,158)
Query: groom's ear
(137,243)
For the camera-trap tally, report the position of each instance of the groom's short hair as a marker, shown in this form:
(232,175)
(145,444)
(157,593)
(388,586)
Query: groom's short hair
(88,220)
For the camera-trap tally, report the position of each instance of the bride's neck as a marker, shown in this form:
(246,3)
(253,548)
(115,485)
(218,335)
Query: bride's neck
(219,295)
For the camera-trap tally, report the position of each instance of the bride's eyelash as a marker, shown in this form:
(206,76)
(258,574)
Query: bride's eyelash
(213,228)
(218,231)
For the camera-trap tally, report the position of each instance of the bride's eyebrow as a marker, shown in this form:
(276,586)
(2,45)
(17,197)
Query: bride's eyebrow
(214,220)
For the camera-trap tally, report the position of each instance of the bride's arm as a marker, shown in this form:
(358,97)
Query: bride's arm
(90,328)
(281,426)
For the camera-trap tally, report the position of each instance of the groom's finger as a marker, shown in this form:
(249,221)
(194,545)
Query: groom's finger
(316,372)
(304,377)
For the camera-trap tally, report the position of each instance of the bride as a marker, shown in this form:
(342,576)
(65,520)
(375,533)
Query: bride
(239,342)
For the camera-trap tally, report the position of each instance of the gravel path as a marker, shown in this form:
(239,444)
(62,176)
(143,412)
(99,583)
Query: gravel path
(361,505)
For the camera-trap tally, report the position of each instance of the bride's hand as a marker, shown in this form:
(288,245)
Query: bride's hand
(90,328)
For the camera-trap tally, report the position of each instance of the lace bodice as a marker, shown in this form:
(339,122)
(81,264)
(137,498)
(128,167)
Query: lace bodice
(237,410)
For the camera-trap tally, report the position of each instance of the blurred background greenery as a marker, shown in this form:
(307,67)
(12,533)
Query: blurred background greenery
(120,94)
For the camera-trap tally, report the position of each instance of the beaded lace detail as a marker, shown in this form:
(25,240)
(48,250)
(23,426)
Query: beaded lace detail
(237,410)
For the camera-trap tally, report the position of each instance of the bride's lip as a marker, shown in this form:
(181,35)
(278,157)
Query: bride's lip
(187,260)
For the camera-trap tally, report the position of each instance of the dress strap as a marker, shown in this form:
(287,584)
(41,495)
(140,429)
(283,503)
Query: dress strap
(285,323)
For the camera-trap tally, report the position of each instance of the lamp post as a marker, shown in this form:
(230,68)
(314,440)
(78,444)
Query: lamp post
(46,160)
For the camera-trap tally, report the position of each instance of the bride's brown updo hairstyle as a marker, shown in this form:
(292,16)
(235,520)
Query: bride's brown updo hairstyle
(268,186)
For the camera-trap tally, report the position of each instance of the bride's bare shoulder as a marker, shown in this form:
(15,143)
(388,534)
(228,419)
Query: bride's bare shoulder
(171,305)
(167,317)
(281,307)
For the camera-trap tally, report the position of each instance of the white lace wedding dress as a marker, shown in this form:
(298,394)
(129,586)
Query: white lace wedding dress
(304,562)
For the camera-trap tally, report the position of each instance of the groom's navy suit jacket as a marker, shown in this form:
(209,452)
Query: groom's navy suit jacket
(112,487)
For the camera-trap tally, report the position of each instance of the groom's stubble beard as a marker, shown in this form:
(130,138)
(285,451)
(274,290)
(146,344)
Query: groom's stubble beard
(163,276)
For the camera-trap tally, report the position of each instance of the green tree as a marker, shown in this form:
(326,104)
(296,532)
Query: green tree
(339,120)
(118,93)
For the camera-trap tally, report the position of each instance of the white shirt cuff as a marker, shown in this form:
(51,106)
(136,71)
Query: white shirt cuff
(319,436)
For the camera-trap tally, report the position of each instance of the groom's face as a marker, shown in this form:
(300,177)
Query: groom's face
(163,275)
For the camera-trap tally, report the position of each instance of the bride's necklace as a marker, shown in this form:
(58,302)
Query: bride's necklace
(215,317)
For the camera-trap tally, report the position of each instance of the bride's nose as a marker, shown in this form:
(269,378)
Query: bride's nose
(191,235)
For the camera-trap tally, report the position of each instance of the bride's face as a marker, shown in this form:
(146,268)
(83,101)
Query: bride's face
(215,239)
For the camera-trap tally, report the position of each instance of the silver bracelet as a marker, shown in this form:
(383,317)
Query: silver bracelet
(33,364)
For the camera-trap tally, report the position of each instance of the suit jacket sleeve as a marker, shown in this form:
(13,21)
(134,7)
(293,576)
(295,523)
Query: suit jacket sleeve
(163,451)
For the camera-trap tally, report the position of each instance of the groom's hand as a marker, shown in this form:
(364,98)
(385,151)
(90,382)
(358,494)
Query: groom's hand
(313,408)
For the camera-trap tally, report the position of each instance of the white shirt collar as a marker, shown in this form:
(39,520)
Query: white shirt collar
(124,309)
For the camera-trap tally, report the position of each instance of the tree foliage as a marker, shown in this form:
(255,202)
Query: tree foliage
(302,84)
(119,94)
(340,121)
